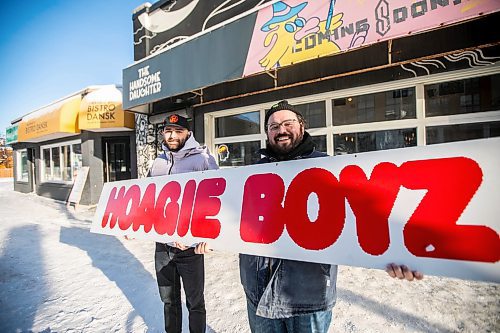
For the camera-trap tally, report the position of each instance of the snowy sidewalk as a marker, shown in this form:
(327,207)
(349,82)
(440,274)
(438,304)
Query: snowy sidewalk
(56,276)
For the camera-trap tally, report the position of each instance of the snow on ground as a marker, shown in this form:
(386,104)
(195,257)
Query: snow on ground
(56,276)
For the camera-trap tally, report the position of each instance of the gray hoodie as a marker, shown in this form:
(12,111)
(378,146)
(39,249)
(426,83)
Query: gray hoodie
(191,157)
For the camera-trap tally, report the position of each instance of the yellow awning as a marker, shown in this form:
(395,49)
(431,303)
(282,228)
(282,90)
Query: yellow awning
(102,110)
(51,122)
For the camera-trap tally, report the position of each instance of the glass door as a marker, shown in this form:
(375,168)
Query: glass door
(116,158)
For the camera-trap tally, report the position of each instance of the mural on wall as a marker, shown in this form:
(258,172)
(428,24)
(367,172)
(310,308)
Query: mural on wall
(293,34)
(145,139)
(177,20)
(291,31)
(465,59)
(149,140)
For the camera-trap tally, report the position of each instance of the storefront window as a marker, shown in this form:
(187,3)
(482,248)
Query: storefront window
(22,165)
(462,132)
(238,153)
(66,166)
(478,94)
(350,143)
(56,163)
(371,119)
(61,163)
(76,158)
(314,114)
(382,106)
(240,124)
(320,143)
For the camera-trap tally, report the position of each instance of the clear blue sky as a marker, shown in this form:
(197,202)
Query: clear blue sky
(50,49)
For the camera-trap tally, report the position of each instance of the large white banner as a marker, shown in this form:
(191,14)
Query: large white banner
(435,208)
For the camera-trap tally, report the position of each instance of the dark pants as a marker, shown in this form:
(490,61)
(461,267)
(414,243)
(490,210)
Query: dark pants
(171,265)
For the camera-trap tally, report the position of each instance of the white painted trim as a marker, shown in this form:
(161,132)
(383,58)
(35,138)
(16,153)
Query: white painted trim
(372,127)
(420,113)
(208,121)
(65,143)
(238,138)
(468,118)
(241,110)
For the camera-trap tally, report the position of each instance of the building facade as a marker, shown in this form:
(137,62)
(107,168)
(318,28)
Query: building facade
(367,77)
(86,130)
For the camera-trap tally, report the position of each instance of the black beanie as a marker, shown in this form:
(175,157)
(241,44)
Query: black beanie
(283,105)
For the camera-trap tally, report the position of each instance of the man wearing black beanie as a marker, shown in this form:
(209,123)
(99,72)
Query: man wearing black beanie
(289,295)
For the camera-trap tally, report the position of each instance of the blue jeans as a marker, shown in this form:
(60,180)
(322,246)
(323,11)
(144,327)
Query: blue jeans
(317,322)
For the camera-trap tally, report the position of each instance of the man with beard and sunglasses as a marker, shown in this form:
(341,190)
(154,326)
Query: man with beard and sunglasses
(175,261)
(288,295)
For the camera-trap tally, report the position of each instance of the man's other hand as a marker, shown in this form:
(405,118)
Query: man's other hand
(202,248)
(403,272)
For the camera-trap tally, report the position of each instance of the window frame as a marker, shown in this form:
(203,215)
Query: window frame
(236,114)
(420,122)
(42,175)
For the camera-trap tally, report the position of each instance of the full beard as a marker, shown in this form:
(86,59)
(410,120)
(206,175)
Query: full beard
(174,145)
(284,149)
